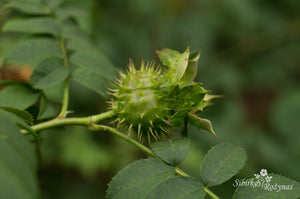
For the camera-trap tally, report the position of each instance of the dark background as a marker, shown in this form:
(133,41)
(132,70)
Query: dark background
(250,54)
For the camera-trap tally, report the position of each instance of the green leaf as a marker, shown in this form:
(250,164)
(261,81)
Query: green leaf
(93,70)
(88,56)
(24,115)
(221,163)
(20,118)
(168,57)
(72,31)
(279,187)
(18,96)
(201,123)
(51,101)
(48,108)
(29,7)
(14,118)
(181,64)
(34,51)
(91,79)
(49,73)
(81,16)
(138,178)
(37,25)
(172,152)
(192,68)
(177,187)
(17,163)
(176,62)
(94,62)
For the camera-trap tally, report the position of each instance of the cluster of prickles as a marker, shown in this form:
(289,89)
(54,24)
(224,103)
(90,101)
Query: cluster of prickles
(140,100)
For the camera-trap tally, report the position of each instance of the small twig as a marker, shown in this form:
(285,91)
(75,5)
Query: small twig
(210,193)
(84,121)
(64,109)
(123,136)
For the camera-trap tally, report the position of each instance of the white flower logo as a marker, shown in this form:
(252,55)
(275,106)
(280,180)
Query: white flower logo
(263,172)
(263,175)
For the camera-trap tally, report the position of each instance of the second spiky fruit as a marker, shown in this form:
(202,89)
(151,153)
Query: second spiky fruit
(139,102)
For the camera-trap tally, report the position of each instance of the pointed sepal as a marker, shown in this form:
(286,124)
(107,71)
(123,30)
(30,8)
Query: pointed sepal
(201,123)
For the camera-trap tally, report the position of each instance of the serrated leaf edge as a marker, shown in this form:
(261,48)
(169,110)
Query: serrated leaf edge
(226,158)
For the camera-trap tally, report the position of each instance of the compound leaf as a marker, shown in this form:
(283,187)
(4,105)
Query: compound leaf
(172,151)
(221,163)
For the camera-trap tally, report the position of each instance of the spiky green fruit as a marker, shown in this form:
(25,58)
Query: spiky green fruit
(138,102)
(152,103)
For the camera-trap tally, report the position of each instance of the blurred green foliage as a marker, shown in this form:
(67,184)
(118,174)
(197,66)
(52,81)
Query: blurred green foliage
(250,54)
